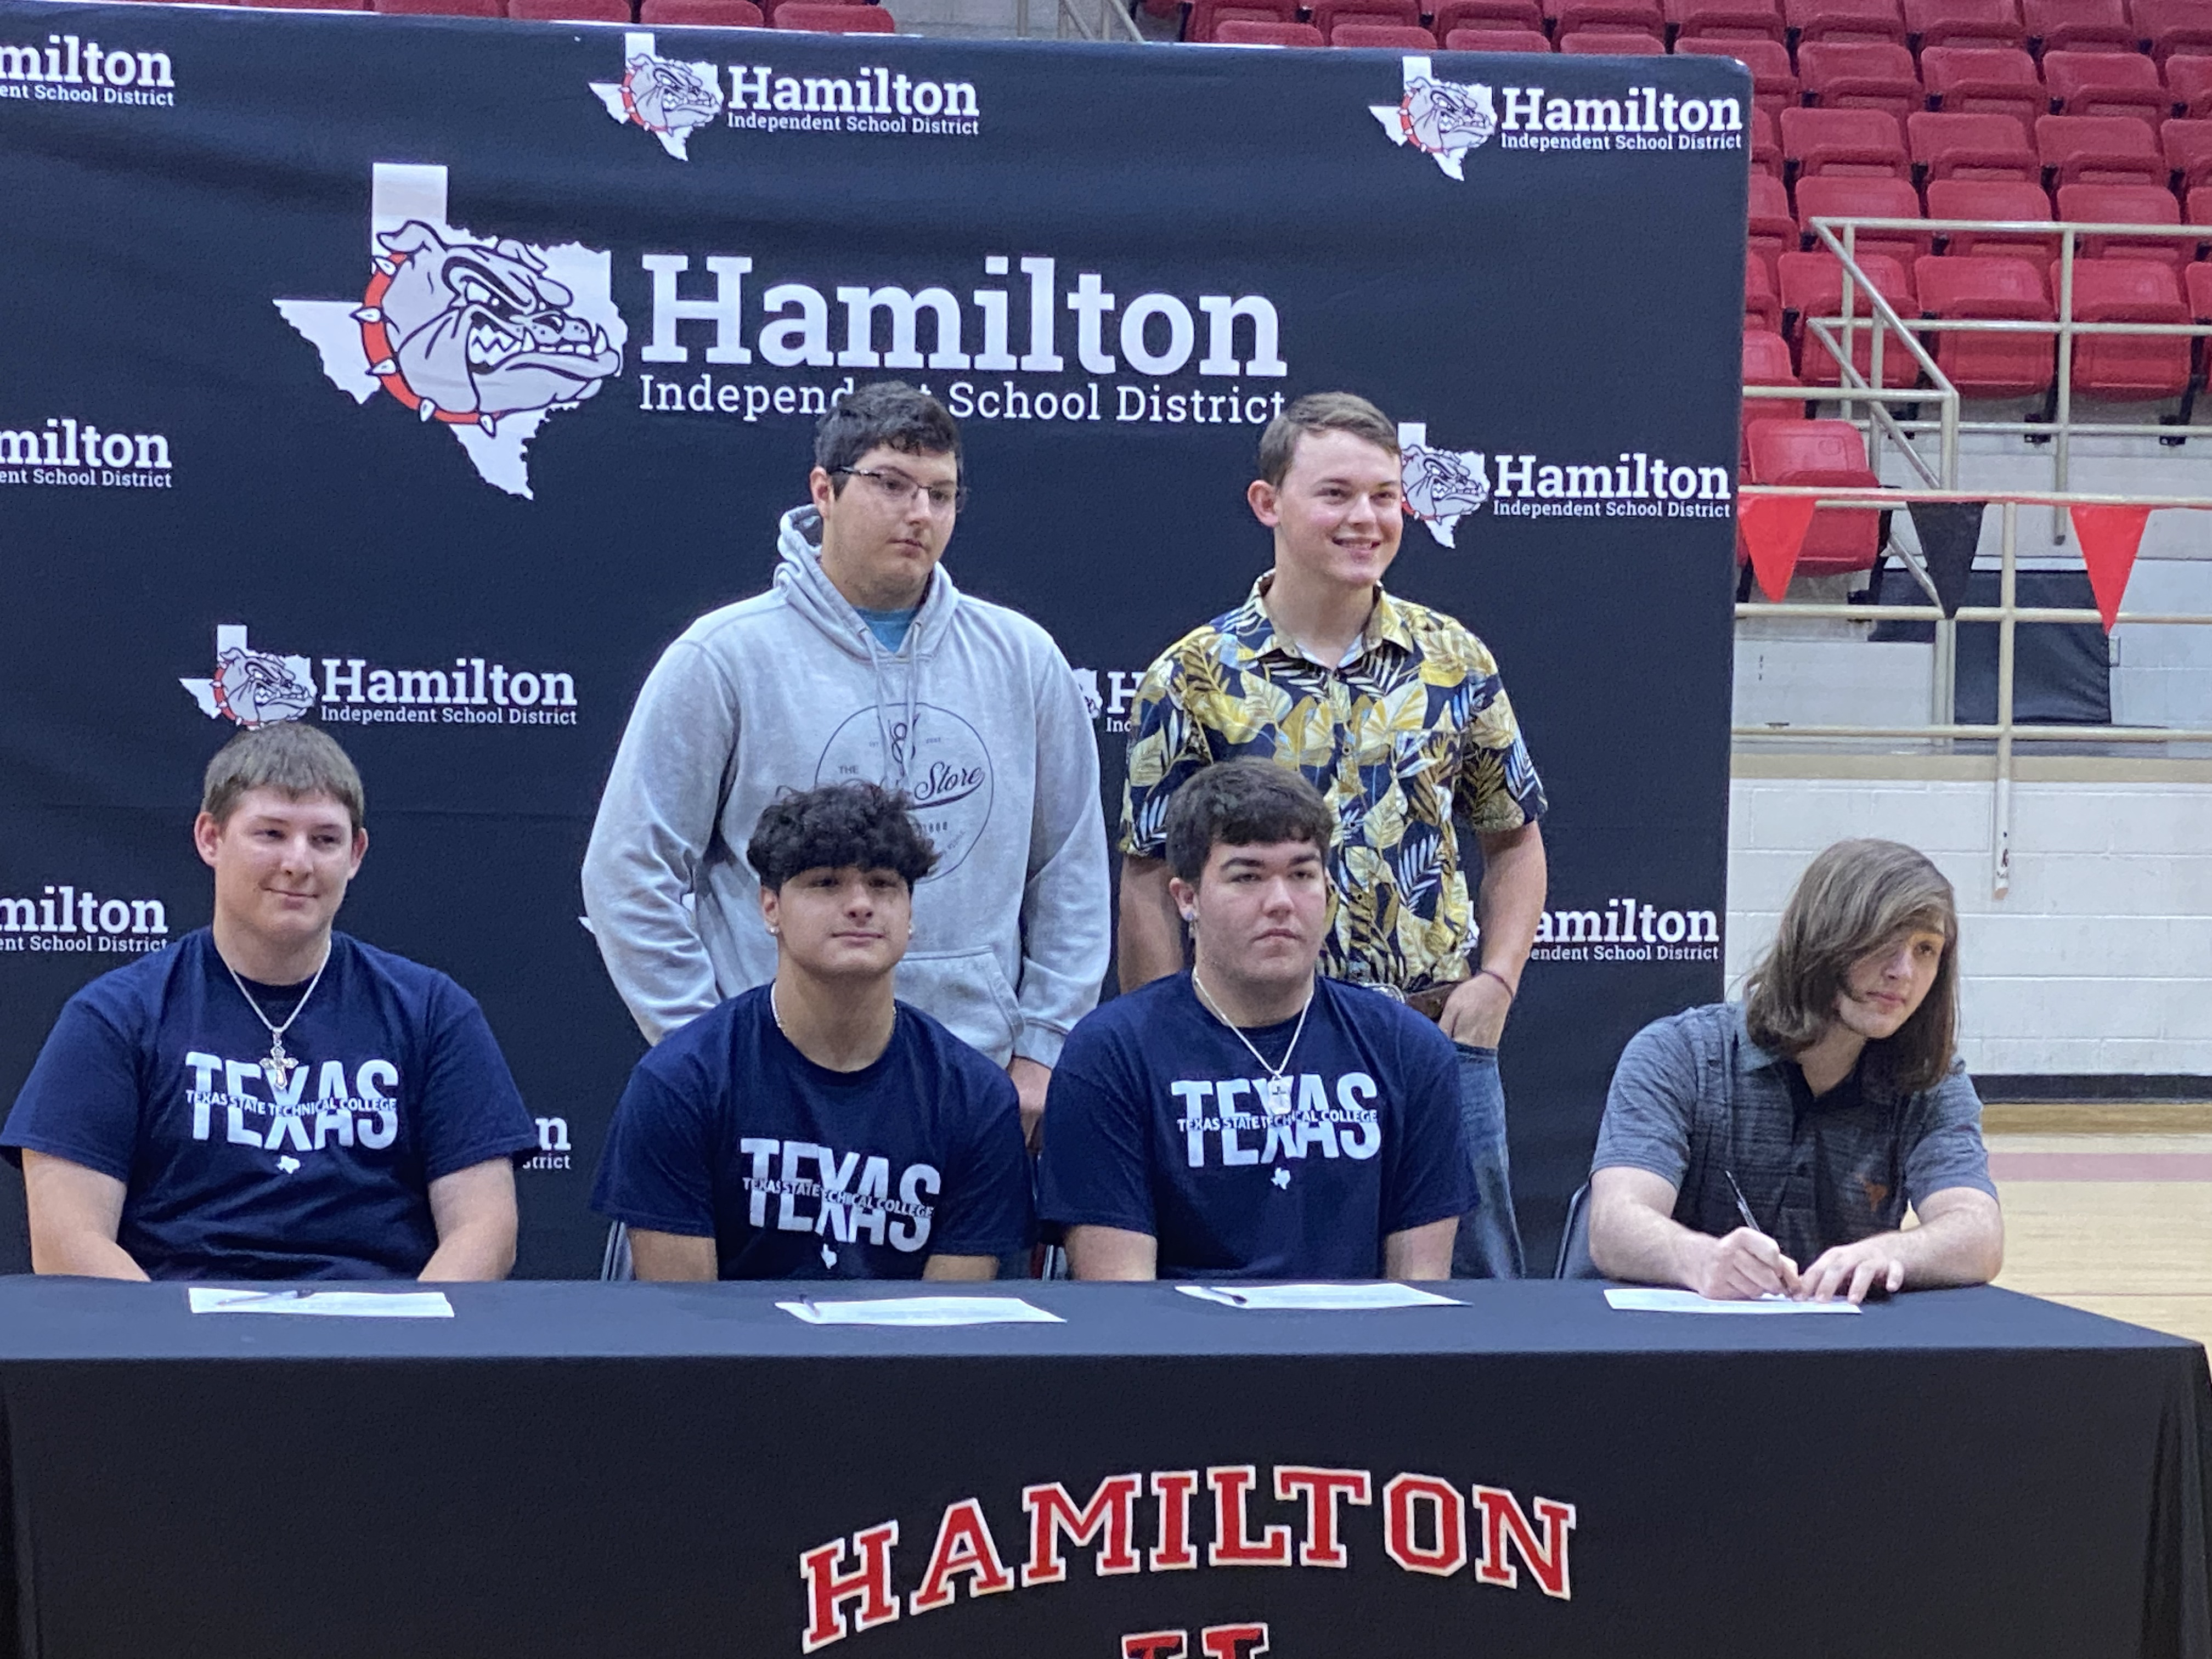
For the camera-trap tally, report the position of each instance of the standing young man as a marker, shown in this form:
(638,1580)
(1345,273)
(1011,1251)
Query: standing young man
(863,662)
(1249,1118)
(814,1127)
(268,1098)
(1396,714)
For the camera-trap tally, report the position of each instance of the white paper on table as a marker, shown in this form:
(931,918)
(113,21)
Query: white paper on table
(916,1310)
(1655,1301)
(342,1304)
(1319,1298)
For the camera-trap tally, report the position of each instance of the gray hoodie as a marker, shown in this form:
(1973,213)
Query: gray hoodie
(977,716)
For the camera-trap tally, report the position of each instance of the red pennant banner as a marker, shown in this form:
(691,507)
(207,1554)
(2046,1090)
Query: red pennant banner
(2109,537)
(1772,530)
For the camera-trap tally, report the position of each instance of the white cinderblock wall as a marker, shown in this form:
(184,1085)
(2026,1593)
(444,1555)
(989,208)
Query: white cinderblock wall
(2100,958)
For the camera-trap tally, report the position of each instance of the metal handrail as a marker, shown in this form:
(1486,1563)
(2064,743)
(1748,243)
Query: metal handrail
(2008,614)
(1839,235)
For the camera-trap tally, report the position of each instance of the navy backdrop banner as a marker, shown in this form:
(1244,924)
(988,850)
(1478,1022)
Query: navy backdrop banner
(424,378)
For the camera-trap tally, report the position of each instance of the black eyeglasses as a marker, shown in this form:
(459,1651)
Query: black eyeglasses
(897,490)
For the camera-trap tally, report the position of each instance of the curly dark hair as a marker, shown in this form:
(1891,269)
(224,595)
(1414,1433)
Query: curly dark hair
(1243,803)
(839,826)
(889,412)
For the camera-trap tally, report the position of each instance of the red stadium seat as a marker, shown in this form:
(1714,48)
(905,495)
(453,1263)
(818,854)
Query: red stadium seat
(1398,37)
(1866,198)
(1623,16)
(441,7)
(1858,144)
(311,5)
(2198,205)
(1773,82)
(1327,13)
(1487,14)
(1817,452)
(1611,43)
(2188,147)
(1206,14)
(1762,305)
(1984,81)
(2098,150)
(1772,231)
(2196,283)
(1947,146)
(2107,83)
(714,14)
(2125,204)
(1989,289)
(2189,78)
(1845,20)
(2172,25)
(571,11)
(1813,286)
(834,19)
(1242,32)
(1496,41)
(2002,199)
(1860,75)
(2120,366)
(2078,26)
(1766,362)
(1964,23)
(1725,20)
(1766,142)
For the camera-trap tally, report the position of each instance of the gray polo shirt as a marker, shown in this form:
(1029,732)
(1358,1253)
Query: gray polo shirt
(1693,1100)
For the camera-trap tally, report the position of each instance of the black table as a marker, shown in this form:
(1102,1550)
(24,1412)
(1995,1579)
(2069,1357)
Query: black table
(617,1470)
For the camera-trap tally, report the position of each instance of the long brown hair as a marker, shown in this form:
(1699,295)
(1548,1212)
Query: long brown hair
(1853,899)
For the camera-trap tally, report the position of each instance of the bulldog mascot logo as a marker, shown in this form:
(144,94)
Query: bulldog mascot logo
(670,99)
(1443,486)
(1441,119)
(485,337)
(253,688)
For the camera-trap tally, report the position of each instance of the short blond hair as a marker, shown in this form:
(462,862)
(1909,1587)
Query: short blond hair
(296,760)
(1855,898)
(1322,411)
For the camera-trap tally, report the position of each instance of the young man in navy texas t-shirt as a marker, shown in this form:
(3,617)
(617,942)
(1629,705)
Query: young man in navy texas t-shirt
(815,1127)
(1249,1119)
(267,1099)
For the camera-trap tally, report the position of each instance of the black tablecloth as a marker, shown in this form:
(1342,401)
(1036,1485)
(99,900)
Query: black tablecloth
(616,1470)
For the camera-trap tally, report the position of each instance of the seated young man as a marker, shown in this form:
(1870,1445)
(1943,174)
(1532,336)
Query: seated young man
(1249,1119)
(814,1127)
(1771,1149)
(267,1099)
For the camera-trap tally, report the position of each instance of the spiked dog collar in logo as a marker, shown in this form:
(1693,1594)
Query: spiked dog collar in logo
(376,343)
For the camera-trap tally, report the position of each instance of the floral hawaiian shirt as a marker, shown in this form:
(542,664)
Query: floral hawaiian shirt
(1411,731)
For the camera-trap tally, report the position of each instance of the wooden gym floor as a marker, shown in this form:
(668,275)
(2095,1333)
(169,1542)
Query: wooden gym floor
(2109,1208)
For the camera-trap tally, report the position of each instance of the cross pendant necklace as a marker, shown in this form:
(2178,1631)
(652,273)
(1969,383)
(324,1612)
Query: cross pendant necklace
(279,1066)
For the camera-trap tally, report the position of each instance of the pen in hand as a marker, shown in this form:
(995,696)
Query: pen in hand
(1743,1209)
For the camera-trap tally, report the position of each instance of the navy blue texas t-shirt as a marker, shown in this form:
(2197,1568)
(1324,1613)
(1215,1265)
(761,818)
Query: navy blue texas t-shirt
(726,1130)
(1158,1121)
(153,1075)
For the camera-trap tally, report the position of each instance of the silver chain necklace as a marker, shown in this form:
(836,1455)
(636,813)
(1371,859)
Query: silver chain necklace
(279,1066)
(1276,1090)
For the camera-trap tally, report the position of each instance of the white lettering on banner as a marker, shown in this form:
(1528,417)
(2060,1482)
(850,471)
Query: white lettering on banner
(1447,120)
(886,325)
(65,451)
(73,70)
(1628,930)
(1346,1127)
(64,918)
(258,688)
(851,1194)
(348,1113)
